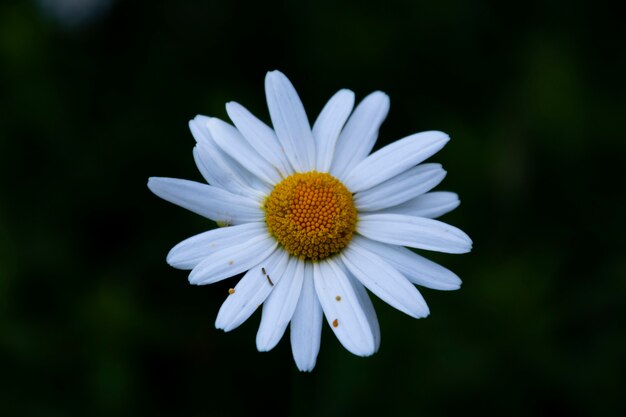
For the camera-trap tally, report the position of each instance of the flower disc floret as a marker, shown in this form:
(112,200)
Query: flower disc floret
(312,215)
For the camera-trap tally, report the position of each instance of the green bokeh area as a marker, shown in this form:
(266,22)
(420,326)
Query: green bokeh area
(94,322)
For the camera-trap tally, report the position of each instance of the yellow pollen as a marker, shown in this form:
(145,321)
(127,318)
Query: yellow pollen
(311,214)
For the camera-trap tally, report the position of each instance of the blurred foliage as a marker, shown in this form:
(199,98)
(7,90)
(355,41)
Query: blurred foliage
(92,320)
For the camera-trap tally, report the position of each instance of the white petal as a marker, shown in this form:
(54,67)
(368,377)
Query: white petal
(222,171)
(199,129)
(233,260)
(416,268)
(234,144)
(251,291)
(306,324)
(383,280)
(360,133)
(342,308)
(366,303)
(217,167)
(394,159)
(208,201)
(208,170)
(280,305)
(430,205)
(328,125)
(415,232)
(403,187)
(290,121)
(260,136)
(190,252)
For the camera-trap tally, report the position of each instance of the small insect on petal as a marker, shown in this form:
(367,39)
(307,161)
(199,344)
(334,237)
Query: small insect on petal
(267,276)
(231,290)
(335,323)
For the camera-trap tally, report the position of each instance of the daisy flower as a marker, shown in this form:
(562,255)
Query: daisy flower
(314,220)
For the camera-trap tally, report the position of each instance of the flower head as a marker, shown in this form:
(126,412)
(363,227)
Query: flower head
(313,219)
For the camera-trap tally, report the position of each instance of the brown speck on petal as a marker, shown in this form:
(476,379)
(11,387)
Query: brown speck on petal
(338,298)
(230,262)
(231,290)
(335,323)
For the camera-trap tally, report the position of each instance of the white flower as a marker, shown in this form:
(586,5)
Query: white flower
(314,219)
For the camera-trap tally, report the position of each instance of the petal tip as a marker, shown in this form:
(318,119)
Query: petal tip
(153,183)
(274,75)
(232,106)
(305,365)
(193,278)
(274,72)
(379,94)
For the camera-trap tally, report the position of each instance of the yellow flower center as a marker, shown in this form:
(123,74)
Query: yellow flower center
(311,214)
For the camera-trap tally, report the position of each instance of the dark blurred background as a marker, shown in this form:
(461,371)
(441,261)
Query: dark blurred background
(95,96)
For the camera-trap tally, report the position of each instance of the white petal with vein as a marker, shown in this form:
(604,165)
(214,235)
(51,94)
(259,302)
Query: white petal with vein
(415,232)
(234,144)
(250,292)
(383,280)
(328,125)
(394,159)
(342,308)
(190,252)
(290,121)
(208,201)
(402,187)
(430,205)
(232,260)
(306,324)
(366,303)
(279,306)
(416,268)
(359,134)
(260,136)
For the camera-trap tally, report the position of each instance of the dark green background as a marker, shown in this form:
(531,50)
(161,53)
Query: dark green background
(93,321)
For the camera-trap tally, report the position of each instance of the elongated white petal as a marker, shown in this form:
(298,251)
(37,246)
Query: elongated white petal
(217,167)
(394,159)
(366,303)
(232,260)
(342,308)
(360,133)
(260,136)
(430,205)
(415,232)
(190,252)
(280,304)
(403,187)
(251,291)
(328,125)
(200,130)
(222,171)
(383,280)
(306,324)
(416,268)
(234,144)
(208,201)
(209,173)
(290,121)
